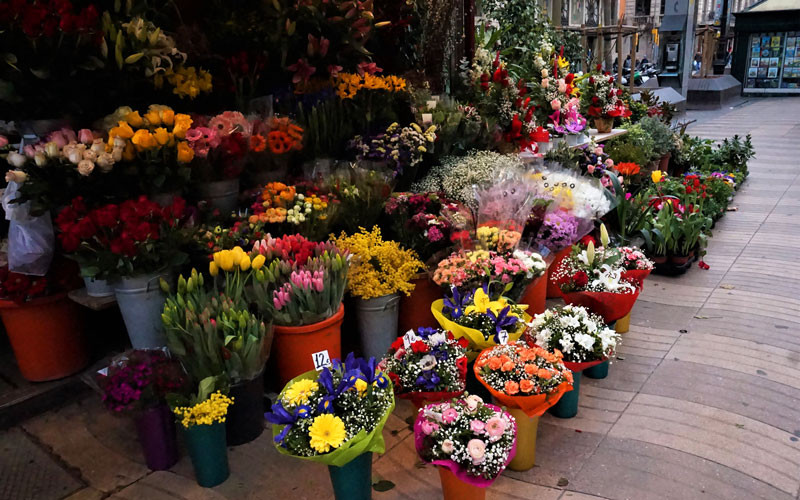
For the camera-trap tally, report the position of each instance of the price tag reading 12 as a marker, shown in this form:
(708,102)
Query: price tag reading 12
(321,360)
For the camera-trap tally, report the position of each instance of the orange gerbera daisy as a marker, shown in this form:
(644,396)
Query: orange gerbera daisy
(627,168)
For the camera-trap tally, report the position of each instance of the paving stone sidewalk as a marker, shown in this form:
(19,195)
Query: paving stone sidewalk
(703,401)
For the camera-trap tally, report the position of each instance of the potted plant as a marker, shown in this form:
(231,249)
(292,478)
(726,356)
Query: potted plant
(214,335)
(44,326)
(137,383)
(336,416)
(470,442)
(601,101)
(527,381)
(427,365)
(663,140)
(138,241)
(379,272)
(424,223)
(203,424)
(582,337)
(300,287)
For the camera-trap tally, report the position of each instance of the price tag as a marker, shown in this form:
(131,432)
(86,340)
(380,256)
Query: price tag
(409,338)
(502,337)
(321,360)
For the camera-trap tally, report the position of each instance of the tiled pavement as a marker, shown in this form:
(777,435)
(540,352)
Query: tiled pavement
(703,401)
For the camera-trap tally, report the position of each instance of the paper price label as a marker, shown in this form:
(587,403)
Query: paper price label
(409,338)
(321,360)
(502,337)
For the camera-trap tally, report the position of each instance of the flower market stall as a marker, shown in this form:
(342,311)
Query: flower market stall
(292,209)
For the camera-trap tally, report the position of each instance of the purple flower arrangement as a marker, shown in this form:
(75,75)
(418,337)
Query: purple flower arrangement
(559,230)
(141,379)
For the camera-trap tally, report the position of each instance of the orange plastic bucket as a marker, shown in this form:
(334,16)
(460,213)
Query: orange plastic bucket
(553,292)
(294,346)
(415,309)
(536,295)
(455,489)
(47,337)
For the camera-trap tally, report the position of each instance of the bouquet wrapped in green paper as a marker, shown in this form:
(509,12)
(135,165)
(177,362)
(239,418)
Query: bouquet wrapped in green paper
(334,415)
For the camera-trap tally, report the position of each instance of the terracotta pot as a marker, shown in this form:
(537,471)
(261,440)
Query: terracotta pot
(659,259)
(603,125)
(535,296)
(553,292)
(415,309)
(681,260)
(47,337)
(293,346)
(455,489)
(663,164)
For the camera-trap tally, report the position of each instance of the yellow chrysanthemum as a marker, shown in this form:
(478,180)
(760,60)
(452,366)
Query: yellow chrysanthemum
(299,392)
(326,432)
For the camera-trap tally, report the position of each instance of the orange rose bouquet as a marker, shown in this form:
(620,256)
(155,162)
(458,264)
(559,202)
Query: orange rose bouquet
(522,377)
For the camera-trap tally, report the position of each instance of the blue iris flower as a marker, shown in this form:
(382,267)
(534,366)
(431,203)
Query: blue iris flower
(326,405)
(302,411)
(279,416)
(425,332)
(456,304)
(382,381)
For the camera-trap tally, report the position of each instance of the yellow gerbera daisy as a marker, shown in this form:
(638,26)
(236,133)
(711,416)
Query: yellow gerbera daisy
(326,432)
(299,392)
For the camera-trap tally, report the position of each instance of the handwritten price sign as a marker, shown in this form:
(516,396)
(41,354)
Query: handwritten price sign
(321,360)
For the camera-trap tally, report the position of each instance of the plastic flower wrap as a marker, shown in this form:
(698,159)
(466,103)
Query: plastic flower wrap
(475,440)
(503,208)
(378,267)
(584,197)
(636,266)
(301,282)
(482,321)
(428,364)
(526,377)
(501,273)
(423,222)
(334,415)
(211,411)
(582,337)
(599,97)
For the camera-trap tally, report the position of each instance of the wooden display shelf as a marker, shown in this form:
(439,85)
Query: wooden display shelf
(617,132)
(94,303)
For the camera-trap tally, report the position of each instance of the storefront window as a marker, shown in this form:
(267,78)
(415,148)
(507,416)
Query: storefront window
(774,61)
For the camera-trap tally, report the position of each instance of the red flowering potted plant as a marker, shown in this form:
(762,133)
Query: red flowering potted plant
(602,102)
(44,327)
(137,241)
(137,383)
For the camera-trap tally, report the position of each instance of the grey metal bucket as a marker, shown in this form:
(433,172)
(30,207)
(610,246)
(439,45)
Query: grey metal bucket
(141,303)
(98,288)
(377,323)
(223,195)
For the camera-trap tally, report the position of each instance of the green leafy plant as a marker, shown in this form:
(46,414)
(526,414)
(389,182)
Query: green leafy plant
(211,335)
(661,135)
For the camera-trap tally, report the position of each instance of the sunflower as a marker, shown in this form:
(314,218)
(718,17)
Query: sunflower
(299,392)
(326,432)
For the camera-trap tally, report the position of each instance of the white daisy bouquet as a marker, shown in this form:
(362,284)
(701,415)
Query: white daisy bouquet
(475,440)
(578,334)
(334,415)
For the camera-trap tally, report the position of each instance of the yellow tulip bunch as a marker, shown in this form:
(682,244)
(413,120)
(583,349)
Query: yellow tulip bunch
(211,411)
(159,129)
(187,81)
(234,263)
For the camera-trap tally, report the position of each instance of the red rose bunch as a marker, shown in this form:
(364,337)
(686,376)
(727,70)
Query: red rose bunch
(290,248)
(50,18)
(112,233)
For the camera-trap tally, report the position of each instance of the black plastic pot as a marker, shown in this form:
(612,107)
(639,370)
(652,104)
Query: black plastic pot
(245,420)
